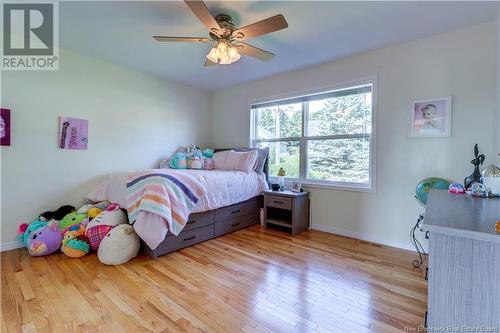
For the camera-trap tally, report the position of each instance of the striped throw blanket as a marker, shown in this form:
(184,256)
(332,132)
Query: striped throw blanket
(170,194)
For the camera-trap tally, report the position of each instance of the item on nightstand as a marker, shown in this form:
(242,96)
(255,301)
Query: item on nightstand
(275,187)
(497,226)
(475,177)
(281,178)
(71,219)
(119,246)
(93,212)
(45,240)
(491,179)
(456,188)
(296,187)
(58,214)
(178,161)
(76,247)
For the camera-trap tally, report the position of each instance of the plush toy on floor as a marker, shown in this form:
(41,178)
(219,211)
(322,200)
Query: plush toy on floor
(25,229)
(93,212)
(113,216)
(44,240)
(58,214)
(119,246)
(76,247)
(71,219)
(95,234)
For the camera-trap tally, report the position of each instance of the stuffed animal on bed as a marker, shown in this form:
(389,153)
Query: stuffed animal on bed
(208,162)
(119,246)
(178,161)
(45,240)
(195,162)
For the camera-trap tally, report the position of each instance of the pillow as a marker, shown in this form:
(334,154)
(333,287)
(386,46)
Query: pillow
(263,153)
(232,160)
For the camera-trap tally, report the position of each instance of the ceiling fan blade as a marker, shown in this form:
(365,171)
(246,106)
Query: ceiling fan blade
(255,52)
(209,63)
(263,27)
(201,11)
(182,39)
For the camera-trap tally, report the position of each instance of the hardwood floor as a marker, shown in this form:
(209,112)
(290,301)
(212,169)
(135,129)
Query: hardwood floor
(253,280)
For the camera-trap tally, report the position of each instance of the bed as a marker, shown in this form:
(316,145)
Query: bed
(227,201)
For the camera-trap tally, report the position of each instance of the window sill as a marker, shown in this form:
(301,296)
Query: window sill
(306,183)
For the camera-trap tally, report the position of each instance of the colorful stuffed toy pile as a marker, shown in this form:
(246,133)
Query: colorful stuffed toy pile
(76,233)
(191,157)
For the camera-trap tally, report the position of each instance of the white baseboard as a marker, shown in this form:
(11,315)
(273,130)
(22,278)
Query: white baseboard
(360,235)
(11,245)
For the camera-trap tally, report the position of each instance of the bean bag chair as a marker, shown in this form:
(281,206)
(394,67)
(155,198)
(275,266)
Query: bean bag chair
(119,246)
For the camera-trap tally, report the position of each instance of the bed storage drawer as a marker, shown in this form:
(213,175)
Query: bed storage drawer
(279,202)
(186,238)
(234,211)
(198,220)
(230,225)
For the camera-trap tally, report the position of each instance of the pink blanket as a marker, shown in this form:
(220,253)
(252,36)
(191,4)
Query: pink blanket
(165,194)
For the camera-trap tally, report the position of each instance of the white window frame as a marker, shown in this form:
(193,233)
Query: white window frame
(303,139)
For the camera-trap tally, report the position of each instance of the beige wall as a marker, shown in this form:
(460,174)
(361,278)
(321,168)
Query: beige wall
(134,120)
(496,124)
(458,63)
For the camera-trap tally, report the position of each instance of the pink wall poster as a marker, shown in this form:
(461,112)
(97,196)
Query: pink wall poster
(73,133)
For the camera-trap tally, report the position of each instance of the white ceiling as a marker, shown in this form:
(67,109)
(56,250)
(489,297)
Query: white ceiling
(120,32)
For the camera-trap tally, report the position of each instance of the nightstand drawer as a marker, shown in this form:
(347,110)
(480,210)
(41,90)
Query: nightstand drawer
(278,202)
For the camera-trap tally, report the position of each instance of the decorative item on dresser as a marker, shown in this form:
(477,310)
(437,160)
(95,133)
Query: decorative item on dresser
(287,209)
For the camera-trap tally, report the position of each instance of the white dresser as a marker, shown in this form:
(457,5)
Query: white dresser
(464,263)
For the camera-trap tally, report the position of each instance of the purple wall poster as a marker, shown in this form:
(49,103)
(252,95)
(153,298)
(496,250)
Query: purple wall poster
(73,133)
(4,127)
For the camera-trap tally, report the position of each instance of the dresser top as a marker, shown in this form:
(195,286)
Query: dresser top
(286,193)
(462,215)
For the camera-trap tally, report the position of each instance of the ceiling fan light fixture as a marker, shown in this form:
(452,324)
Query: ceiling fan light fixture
(213,55)
(223,53)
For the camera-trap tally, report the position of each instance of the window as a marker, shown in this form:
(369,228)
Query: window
(323,138)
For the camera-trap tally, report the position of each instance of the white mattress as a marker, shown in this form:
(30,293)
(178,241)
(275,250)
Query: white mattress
(223,188)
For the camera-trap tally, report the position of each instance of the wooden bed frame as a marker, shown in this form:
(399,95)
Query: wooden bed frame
(213,223)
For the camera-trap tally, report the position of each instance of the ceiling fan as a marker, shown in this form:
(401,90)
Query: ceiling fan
(226,38)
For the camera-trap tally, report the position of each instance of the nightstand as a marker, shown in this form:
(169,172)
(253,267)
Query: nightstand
(287,209)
